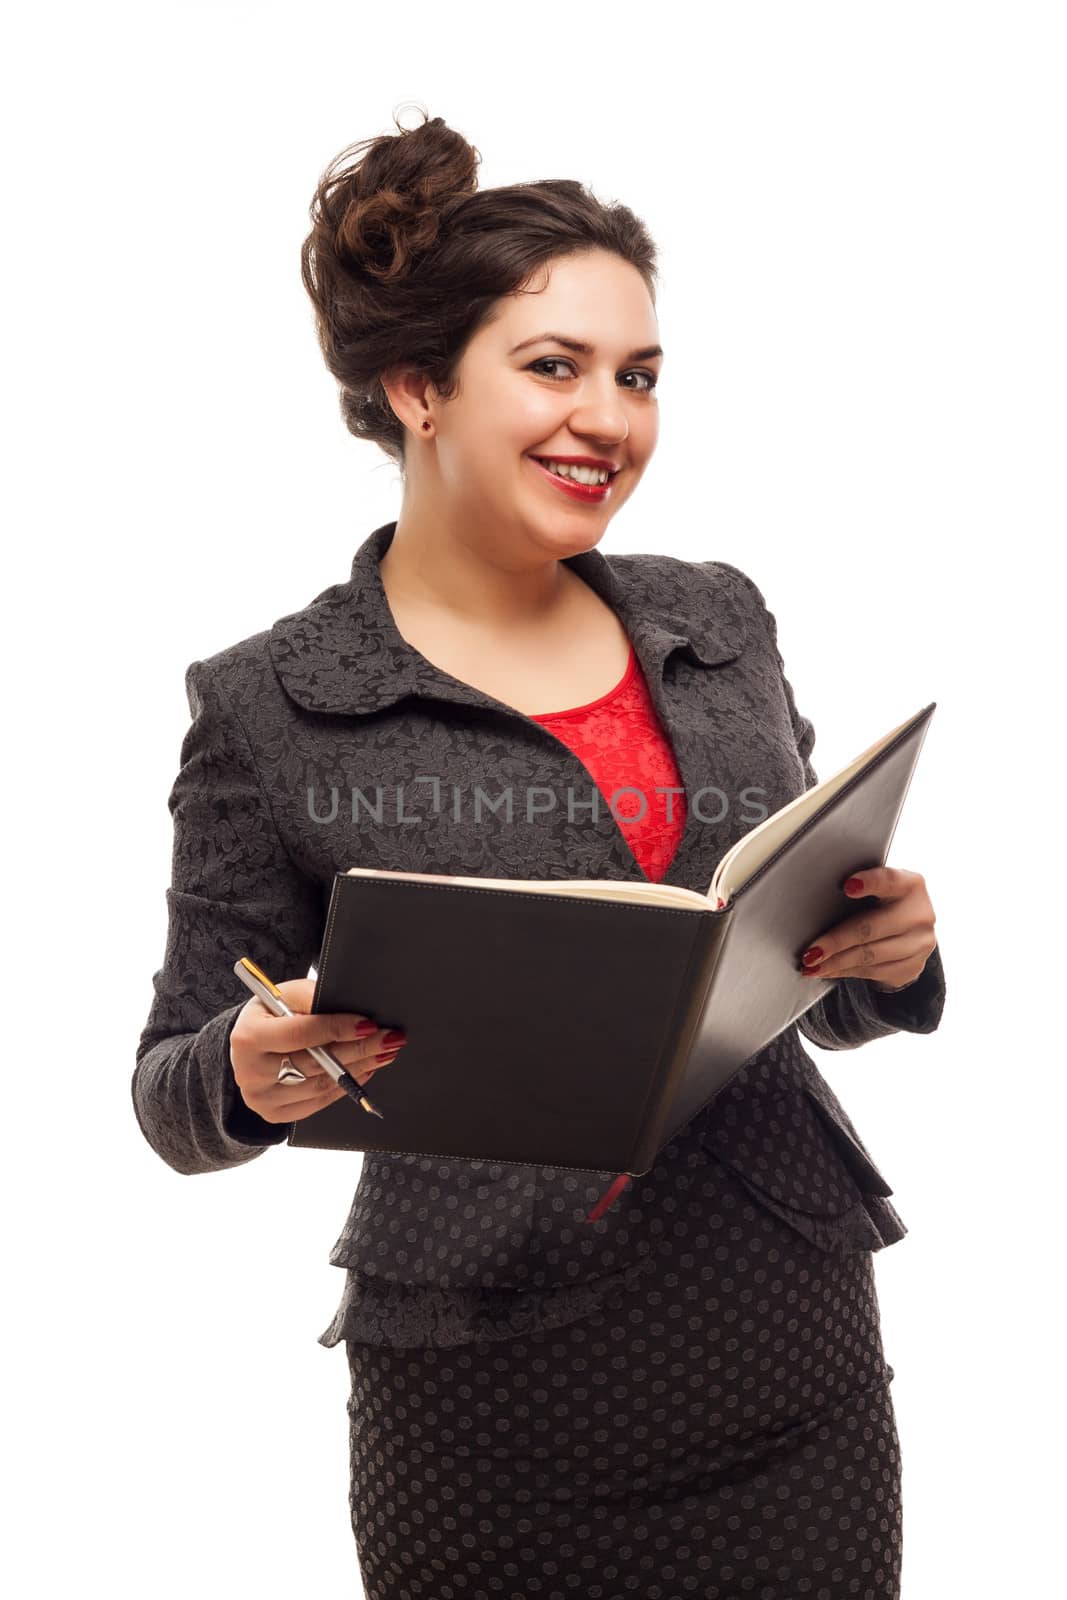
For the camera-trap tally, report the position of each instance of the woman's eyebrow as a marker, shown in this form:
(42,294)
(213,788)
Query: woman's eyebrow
(585,349)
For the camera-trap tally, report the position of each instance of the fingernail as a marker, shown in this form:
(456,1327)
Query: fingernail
(809,972)
(395,1036)
(814,954)
(386,1056)
(854,886)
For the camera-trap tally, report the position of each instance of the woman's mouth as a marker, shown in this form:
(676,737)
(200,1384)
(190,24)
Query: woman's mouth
(590,493)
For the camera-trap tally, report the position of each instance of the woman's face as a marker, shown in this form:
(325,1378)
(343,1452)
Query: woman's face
(547,399)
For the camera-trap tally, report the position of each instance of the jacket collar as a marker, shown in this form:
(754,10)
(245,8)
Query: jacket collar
(344,654)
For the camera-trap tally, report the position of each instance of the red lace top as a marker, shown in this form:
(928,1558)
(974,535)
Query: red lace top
(621,742)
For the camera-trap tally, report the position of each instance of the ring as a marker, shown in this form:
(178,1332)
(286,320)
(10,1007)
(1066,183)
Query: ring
(289,1073)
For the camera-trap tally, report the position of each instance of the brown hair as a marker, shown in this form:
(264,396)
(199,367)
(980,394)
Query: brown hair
(405,259)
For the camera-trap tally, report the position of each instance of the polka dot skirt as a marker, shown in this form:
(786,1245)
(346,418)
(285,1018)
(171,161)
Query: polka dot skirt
(723,1429)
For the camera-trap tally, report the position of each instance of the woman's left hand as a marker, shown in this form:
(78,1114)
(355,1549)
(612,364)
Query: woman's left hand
(889,945)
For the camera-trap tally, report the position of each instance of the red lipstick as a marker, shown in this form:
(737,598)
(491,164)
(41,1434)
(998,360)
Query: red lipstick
(590,493)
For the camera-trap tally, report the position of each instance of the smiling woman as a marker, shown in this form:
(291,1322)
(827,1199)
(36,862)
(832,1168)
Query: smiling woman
(687,1392)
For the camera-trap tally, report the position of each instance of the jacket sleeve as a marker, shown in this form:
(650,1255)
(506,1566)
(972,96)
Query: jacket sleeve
(854,1011)
(234,892)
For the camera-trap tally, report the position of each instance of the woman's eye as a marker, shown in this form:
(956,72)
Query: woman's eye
(549,361)
(652,381)
(558,361)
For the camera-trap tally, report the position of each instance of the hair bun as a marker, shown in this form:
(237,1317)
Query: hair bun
(389,208)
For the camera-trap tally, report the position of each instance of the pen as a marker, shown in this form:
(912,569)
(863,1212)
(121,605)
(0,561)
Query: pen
(256,979)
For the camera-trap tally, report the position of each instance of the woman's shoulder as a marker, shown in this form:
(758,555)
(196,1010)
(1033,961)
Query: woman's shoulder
(674,581)
(233,674)
(248,665)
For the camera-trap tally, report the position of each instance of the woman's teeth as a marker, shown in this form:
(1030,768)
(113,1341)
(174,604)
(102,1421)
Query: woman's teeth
(564,469)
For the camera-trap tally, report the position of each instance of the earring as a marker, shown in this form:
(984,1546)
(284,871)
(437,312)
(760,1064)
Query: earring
(426,424)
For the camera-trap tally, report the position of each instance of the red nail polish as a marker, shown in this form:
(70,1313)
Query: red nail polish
(853,885)
(814,954)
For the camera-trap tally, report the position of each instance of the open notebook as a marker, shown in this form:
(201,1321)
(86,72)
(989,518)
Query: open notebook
(582,1022)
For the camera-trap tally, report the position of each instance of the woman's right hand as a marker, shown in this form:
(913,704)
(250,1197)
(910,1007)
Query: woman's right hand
(260,1041)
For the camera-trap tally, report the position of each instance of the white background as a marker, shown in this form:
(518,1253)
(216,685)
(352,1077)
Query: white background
(860,217)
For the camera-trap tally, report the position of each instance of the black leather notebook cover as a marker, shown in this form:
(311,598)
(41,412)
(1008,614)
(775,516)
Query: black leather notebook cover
(553,1030)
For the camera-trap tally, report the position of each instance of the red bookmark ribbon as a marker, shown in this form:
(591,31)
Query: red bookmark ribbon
(606,1201)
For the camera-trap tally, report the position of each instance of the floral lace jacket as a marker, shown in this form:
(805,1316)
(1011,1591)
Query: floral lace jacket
(332,697)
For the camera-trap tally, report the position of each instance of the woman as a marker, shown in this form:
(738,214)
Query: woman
(559,1385)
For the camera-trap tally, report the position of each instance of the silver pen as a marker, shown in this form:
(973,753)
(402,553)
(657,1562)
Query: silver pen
(256,979)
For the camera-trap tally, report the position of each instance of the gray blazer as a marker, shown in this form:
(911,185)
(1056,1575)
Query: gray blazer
(327,741)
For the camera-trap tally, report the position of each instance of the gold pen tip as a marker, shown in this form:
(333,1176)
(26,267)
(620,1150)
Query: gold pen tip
(257,972)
